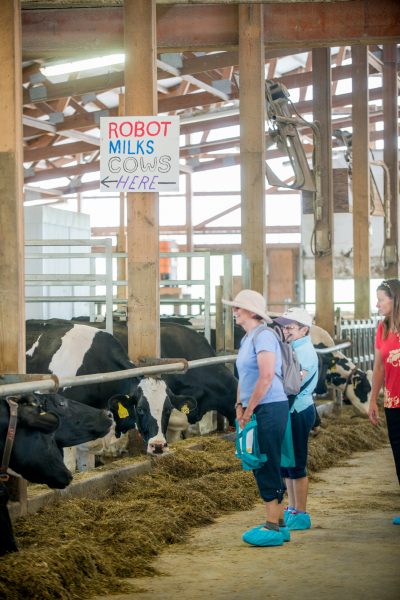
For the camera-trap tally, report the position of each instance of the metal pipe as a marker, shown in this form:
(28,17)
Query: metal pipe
(216,360)
(48,385)
(333,348)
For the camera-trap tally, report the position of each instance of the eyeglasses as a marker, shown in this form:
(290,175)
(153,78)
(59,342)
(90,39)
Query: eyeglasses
(291,327)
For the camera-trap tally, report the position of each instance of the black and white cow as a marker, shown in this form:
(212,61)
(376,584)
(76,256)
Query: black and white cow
(212,388)
(338,370)
(35,456)
(78,423)
(67,349)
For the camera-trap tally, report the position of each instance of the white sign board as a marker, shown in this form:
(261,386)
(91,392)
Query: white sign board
(139,154)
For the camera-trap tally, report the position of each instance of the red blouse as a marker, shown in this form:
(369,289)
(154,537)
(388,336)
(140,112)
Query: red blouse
(390,351)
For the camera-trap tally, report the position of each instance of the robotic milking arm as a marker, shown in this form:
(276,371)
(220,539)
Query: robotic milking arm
(283,132)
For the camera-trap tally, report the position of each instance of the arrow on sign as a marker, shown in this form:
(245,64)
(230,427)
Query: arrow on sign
(106,181)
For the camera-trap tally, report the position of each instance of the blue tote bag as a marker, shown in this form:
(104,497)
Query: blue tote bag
(247,448)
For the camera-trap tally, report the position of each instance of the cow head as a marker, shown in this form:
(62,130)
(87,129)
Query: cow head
(148,409)
(35,454)
(78,423)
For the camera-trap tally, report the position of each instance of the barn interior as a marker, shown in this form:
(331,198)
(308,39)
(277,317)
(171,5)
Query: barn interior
(288,163)
(294,220)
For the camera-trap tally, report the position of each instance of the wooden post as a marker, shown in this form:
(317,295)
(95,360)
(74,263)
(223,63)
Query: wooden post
(219,320)
(121,247)
(361,186)
(390,157)
(322,109)
(12,302)
(189,220)
(142,208)
(252,145)
(122,290)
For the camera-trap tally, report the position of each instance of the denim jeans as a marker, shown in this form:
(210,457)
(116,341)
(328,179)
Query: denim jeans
(271,424)
(302,423)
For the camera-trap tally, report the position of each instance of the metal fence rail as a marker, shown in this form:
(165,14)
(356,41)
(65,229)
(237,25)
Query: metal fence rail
(361,333)
(53,383)
(98,281)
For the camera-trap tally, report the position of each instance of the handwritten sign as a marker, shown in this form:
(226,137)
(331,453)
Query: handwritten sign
(139,154)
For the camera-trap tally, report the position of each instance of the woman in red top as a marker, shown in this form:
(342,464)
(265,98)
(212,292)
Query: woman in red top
(386,371)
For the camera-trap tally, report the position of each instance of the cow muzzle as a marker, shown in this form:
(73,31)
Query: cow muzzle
(157,447)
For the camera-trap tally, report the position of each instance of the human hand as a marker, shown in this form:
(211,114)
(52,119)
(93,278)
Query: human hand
(245,418)
(373,414)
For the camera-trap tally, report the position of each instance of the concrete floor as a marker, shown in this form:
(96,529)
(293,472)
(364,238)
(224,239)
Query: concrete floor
(351,553)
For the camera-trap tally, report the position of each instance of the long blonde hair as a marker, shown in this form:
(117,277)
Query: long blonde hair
(391,287)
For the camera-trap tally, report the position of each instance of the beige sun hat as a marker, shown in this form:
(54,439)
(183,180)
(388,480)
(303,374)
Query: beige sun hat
(299,315)
(251,301)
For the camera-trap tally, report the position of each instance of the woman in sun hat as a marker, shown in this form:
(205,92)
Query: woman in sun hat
(260,392)
(296,323)
(386,371)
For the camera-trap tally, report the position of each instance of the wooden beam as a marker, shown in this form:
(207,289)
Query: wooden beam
(142,208)
(57,150)
(54,173)
(391,159)
(252,146)
(218,60)
(180,229)
(322,110)
(361,183)
(12,301)
(75,87)
(77,31)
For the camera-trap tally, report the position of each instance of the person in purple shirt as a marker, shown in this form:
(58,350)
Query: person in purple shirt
(260,392)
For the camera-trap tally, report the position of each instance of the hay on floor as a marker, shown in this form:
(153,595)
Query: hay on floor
(82,547)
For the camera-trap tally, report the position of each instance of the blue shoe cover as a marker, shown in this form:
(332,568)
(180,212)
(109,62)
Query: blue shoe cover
(284,531)
(396,520)
(286,514)
(263,537)
(298,521)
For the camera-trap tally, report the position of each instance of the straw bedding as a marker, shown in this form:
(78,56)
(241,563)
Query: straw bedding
(81,547)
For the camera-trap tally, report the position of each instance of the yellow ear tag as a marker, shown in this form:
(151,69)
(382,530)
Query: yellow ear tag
(185,409)
(122,412)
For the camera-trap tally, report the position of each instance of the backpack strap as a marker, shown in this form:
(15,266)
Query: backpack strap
(257,332)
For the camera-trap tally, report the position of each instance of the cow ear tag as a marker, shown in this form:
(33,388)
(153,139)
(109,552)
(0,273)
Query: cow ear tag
(185,409)
(122,412)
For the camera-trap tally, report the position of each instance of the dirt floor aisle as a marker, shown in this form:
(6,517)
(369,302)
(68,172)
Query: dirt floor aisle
(351,553)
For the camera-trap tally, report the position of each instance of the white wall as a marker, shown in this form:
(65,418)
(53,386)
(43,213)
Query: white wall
(46,222)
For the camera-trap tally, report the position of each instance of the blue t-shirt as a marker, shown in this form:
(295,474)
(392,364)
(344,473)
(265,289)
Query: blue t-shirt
(308,360)
(246,364)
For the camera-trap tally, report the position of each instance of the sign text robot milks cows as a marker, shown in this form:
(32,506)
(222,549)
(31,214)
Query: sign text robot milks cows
(139,154)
